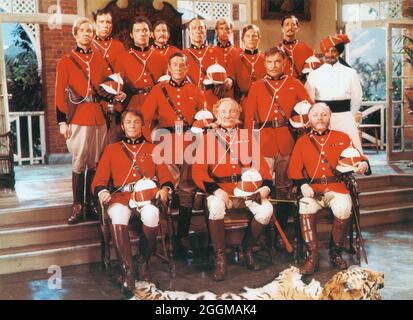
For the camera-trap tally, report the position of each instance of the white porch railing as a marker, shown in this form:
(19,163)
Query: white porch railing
(375,106)
(36,144)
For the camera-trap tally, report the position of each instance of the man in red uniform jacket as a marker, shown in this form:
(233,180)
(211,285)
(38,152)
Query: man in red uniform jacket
(249,66)
(268,110)
(160,35)
(140,67)
(297,51)
(200,55)
(109,49)
(224,52)
(317,154)
(173,106)
(125,163)
(80,114)
(227,154)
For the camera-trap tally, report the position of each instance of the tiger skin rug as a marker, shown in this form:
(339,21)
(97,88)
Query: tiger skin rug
(354,283)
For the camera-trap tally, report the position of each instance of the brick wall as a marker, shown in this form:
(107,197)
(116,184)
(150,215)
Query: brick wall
(54,43)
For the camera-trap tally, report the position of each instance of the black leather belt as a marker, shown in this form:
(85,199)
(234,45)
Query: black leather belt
(176,129)
(270,124)
(135,91)
(231,179)
(323,180)
(337,105)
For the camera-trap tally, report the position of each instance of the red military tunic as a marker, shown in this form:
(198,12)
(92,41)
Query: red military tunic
(199,60)
(248,67)
(109,49)
(140,70)
(223,54)
(69,75)
(167,50)
(297,52)
(215,161)
(286,92)
(226,52)
(187,99)
(305,155)
(115,164)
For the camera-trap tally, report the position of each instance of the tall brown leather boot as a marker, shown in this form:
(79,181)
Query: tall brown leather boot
(147,246)
(217,232)
(124,252)
(78,189)
(338,235)
(309,233)
(90,211)
(251,237)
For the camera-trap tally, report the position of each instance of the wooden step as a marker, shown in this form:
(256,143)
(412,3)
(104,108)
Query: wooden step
(388,195)
(47,233)
(10,217)
(63,254)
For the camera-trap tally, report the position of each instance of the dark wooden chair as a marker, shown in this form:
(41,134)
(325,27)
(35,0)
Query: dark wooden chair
(7,177)
(166,235)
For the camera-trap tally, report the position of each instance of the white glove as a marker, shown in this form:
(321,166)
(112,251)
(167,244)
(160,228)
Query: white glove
(64,130)
(307,191)
(362,167)
(104,197)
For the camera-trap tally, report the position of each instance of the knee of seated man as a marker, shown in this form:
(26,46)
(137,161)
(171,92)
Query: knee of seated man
(150,215)
(265,212)
(341,207)
(308,206)
(119,214)
(216,208)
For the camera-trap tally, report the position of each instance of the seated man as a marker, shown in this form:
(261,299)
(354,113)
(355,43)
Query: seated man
(225,158)
(126,162)
(313,169)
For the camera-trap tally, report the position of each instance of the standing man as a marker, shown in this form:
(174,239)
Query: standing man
(226,158)
(80,114)
(200,55)
(338,86)
(297,52)
(109,49)
(312,168)
(128,162)
(268,110)
(173,106)
(249,66)
(104,44)
(140,67)
(225,50)
(160,35)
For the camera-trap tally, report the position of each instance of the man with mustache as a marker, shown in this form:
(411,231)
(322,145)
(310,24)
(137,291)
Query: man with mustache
(312,169)
(297,52)
(219,174)
(338,86)
(160,35)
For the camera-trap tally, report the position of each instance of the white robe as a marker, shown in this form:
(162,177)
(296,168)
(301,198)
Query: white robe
(338,82)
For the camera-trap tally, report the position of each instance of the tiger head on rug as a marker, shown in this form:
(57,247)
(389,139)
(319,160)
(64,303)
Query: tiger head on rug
(355,283)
